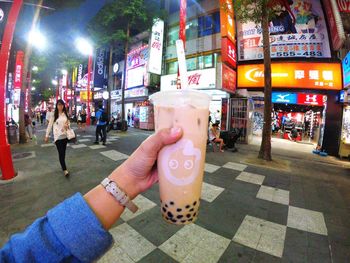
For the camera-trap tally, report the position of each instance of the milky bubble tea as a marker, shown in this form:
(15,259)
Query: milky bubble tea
(181,165)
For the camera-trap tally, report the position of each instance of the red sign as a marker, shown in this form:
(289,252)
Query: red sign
(228,52)
(229,79)
(311,99)
(19,69)
(337,31)
(344,6)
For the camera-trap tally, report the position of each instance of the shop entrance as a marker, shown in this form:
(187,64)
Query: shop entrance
(300,123)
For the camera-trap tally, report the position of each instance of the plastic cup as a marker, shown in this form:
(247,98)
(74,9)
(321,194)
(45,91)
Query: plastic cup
(181,165)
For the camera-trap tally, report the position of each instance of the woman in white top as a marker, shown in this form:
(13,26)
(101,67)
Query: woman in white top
(214,136)
(60,123)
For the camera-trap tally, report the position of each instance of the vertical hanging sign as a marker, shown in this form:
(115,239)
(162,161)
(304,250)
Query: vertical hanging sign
(156,48)
(18,77)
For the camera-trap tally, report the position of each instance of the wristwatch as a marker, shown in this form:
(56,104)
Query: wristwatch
(122,198)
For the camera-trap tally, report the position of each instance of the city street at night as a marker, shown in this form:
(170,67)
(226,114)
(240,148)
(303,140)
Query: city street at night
(188,131)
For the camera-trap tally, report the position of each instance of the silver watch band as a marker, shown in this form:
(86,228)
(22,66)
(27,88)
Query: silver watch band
(122,198)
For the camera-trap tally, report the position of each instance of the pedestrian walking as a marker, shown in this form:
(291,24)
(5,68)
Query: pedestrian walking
(129,117)
(49,115)
(102,119)
(82,119)
(59,124)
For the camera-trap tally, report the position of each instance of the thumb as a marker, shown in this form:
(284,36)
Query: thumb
(157,141)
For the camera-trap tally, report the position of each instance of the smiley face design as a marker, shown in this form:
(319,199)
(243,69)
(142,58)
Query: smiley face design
(181,162)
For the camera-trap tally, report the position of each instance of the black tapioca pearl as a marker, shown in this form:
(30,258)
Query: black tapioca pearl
(170,214)
(194,203)
(167,218)
(190,219)
(183,221)
(173,220)
(166,205)
(164,210)
(179,210)
(171,203)
(188,215)
(179,216)
(161,201)
(192,209)
(194,214)
(188,206)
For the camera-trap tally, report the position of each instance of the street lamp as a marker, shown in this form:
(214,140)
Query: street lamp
(35,68)
(33,88)
(54,82)
(85,47)
(37,39)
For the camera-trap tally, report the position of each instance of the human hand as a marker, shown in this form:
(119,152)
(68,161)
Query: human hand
(46,139)
(139,172)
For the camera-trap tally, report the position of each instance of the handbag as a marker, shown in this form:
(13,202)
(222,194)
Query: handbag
(71,135)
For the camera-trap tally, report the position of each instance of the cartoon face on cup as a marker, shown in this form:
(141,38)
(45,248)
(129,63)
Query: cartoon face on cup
(181,162)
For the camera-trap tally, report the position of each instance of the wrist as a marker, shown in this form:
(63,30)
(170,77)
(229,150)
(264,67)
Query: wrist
(125,182)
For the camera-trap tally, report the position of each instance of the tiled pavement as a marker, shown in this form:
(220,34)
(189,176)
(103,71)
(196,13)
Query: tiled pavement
(247,214)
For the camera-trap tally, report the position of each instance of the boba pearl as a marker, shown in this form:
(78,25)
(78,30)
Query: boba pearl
(180,216)
(171,203)
(194,203)
(192,209)
(179,210)
(188,215)
(170,214)
(164,210)
(188,206)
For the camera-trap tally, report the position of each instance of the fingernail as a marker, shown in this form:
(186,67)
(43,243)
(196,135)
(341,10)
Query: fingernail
(175,131)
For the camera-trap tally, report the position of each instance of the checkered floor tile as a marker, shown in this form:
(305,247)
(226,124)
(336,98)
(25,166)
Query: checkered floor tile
(195,244)
(115,155)
(47,145)
(87,136)
(78,146)
(84,140)
(273,194)
(261,235)
(95,147)
(235,166)
(143,204)
(210,192)
(211,168)
(251,178)
(306,220)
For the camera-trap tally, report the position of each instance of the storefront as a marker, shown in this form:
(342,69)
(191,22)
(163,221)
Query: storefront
(207,81)
(344,99)
(304,100)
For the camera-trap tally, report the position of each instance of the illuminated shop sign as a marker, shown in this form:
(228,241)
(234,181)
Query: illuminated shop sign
(325,76)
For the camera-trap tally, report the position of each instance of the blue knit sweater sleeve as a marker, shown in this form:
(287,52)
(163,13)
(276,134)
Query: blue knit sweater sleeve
(69,232)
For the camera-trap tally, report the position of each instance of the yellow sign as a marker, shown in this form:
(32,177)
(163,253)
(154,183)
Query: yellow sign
(84,95)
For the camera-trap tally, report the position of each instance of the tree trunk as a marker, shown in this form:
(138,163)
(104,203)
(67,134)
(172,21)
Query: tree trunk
(126,49)
(27,55)
(110,78)
(22,133)
(265,148)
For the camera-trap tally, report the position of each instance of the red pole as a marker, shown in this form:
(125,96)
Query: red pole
(88,90)
(6,164)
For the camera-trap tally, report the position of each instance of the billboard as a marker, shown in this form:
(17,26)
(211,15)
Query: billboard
(101,69)
(304,75)
(227,20)
(346,70)
(156,48)
(301,32)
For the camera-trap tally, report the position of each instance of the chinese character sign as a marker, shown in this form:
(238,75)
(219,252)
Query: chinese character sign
(293,75)
(346,70)
(344,6)
(227,20)
(300,32)
(19,69)
(156,48)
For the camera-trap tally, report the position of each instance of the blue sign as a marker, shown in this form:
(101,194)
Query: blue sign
(284,97)
(342,96)
(346,70)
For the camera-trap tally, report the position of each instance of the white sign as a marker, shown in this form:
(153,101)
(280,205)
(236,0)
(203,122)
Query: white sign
(116,94)
(197,79)
(115,67)
(105,95)
(156,48)
(135,77)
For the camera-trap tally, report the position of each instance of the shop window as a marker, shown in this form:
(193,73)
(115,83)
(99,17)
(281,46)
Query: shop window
(191,64)
(172,67)
(173,35)
(192,29)
(208,61)
(209,24)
